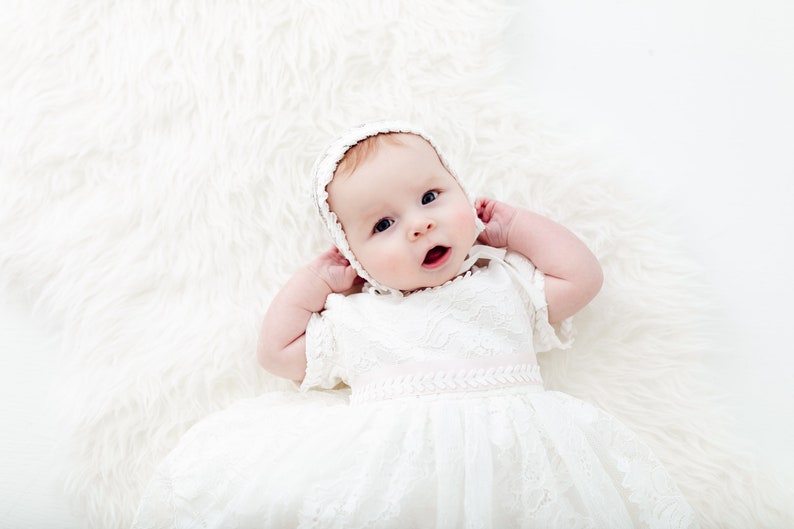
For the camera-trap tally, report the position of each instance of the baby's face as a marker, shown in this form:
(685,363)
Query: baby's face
(407,220)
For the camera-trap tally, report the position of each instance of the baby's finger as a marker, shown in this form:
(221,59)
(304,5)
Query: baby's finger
(340,257)
(485,210)
(330,253)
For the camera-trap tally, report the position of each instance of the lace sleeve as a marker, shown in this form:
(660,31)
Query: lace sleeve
(545,336)
(323,369)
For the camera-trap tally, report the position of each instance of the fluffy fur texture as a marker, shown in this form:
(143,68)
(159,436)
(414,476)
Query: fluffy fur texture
(155,194)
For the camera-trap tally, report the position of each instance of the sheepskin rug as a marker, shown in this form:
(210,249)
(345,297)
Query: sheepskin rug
(155,160)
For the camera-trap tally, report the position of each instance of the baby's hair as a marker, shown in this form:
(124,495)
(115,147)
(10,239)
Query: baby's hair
(363,149)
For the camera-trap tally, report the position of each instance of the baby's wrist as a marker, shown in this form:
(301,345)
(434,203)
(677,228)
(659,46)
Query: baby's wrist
(315,280)
(511,223)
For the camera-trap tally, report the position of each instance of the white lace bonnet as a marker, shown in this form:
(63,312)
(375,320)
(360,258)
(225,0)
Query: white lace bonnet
(323,173)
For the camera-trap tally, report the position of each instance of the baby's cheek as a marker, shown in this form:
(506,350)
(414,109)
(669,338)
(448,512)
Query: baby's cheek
(465,217)
(380,262)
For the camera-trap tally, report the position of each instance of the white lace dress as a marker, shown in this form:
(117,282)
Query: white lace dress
(447,426)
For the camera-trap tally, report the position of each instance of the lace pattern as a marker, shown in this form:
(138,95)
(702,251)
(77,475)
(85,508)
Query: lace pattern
(322,369)
(519,459)
(496,310)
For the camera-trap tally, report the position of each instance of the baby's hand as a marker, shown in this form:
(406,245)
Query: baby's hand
(335,270)
(497,217)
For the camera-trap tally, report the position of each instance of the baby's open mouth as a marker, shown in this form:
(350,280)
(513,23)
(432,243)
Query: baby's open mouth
(435,255)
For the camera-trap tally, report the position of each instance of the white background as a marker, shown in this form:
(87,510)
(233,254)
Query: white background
(697,98)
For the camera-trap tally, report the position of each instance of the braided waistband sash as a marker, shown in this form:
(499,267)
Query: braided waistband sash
(436,377)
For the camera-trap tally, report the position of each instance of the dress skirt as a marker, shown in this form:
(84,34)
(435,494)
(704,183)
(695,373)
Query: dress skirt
(514,457)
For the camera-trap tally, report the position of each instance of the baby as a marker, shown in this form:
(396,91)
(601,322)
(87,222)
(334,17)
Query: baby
(431,309)
(410,225)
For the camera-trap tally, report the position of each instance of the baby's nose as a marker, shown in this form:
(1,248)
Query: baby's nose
(422,226)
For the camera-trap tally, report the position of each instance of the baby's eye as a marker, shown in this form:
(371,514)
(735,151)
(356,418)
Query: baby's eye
(428,197)
(383,225)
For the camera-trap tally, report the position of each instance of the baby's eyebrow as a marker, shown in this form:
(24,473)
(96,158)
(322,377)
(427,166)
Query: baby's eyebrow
(365,219)
(370,212)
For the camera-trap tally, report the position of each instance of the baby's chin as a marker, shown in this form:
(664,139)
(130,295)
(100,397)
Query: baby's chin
(436,270)
(436,281)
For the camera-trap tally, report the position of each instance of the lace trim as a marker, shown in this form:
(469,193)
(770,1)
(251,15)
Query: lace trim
(447,381)
(369,289)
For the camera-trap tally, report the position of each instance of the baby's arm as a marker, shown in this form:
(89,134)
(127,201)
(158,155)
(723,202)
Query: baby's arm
(573,274)
(282,339)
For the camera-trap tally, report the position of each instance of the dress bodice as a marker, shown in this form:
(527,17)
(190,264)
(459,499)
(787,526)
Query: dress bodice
(498,309)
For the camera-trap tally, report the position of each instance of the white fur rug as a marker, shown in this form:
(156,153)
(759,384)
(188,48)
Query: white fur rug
(155,160)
